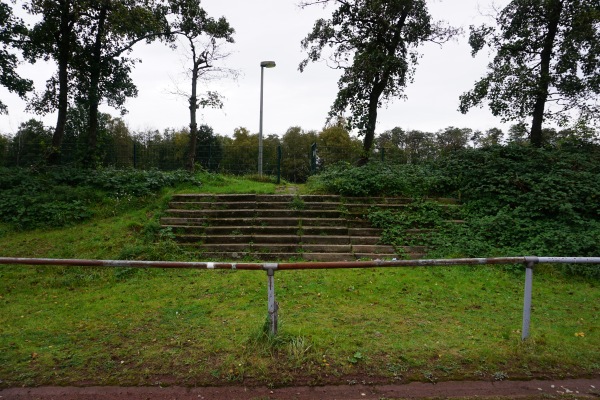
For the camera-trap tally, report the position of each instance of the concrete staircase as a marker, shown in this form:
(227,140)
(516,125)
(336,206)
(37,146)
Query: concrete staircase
(280,227)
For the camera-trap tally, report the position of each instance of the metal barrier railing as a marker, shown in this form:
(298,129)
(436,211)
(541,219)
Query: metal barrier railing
(529,263)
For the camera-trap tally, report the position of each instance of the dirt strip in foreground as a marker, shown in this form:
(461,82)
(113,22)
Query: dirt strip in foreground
(573,388)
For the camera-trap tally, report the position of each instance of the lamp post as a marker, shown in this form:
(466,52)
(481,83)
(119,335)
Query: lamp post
(263,65)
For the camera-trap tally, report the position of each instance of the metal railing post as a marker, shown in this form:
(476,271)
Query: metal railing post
(529,264)
(272,303)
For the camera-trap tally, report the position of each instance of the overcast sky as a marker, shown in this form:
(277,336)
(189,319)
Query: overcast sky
(272,30)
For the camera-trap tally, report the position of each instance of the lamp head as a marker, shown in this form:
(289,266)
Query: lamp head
(267,64)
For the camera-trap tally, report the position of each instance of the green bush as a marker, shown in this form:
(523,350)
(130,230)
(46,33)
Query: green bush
(416,225)
(375,179)
(517,201)
(558,183)
(63,196)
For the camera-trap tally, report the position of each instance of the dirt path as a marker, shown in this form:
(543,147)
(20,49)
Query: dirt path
(573,388)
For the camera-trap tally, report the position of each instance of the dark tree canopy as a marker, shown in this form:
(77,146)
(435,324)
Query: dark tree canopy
(12,33)
(90,42)
(546,63)
(375,43)
(53,37)
(108,31)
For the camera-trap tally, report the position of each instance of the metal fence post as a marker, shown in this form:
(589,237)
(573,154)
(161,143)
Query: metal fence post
(272,306)
(278,164)
(313,158)
(134,155)
(529,264)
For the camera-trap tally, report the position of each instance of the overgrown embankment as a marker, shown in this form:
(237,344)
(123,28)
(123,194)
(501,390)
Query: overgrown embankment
(517,200)
(91,326)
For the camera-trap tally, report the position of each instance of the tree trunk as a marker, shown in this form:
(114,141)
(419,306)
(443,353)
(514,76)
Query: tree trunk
(94,95)
(535,135)
(371,123)
(379,86)
(64,57)
(193,124)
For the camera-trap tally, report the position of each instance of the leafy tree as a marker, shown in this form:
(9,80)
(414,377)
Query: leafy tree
(580,133)
(108,32)
(295,148)
(53,37)
(419,146)
(393,144)
(90,41)
(517,133)
(178,143)
(408,147)
(12,32)
(74,145)
(30,144)
(204,37)
(240,154)
(335,144)
(375,43)
(546,63)
(120,141)
(452,139)
(4,148)
(209,150)
(492,137)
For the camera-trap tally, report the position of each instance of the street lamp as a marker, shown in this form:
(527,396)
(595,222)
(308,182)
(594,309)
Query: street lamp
(263,65)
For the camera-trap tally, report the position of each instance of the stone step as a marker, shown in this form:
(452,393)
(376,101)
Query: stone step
(376,200)
(253,205)
(212,205)
(364,240)
(284,257)
(376,249)
(395,200)
(356,207)
(364,232)
(294,247)
(262,198)
(248,213)
(271,230)
(353,240)
(284,227)
(311,198)
(277,248)
(358,223)
(200,197)
(278,239)
(264,222)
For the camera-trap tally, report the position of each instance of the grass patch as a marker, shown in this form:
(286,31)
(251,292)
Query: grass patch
(72,326)
(227,184)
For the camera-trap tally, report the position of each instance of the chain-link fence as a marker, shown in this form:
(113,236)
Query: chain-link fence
(294,164)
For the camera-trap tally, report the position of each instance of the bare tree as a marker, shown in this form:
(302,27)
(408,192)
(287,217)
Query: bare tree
(204,38)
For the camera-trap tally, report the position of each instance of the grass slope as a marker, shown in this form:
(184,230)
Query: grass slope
(93,326)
